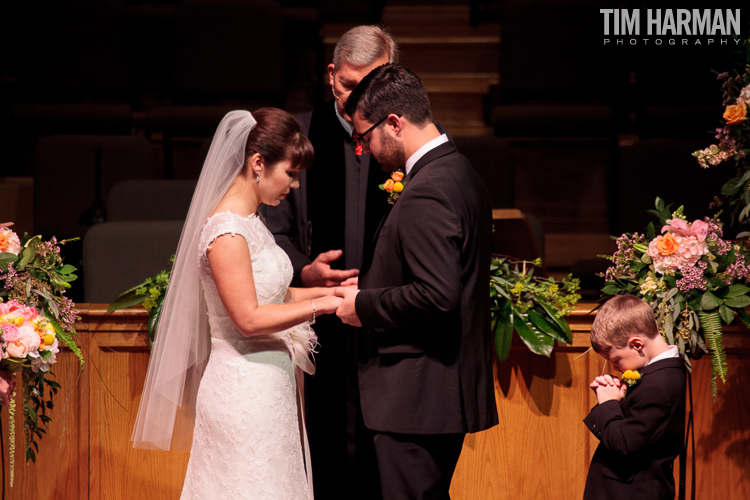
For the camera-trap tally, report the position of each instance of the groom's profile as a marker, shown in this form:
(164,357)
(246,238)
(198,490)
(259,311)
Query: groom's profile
(425,361)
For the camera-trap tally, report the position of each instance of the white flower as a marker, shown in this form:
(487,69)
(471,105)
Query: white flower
(744,95)
(649,285)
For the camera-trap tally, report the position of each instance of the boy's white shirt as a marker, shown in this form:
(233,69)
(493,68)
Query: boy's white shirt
(672,352)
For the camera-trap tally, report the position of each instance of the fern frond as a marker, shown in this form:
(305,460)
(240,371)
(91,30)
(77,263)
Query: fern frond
(711,325)
(67,339)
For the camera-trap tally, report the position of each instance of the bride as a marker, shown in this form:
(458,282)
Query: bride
(233,339)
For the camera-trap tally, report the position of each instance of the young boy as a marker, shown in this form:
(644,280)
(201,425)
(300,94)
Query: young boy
(640,420)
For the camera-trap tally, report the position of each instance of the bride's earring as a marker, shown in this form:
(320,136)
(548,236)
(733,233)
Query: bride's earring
(257,179)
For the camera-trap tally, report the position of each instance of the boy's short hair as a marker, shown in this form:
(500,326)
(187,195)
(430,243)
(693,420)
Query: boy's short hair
(620,318)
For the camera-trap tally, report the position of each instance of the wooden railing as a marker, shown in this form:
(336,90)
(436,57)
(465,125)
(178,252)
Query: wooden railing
(540,450)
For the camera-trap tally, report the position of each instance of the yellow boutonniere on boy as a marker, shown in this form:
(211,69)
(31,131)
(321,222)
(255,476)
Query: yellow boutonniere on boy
(393,186)
(631,377)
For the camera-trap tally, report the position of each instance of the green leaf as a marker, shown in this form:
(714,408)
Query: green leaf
(126,299)
(67,269)
(732,186)
(537,341)
(562,324)
(33,415)
(610,289)
(710,301)
(7,257)
(738,302)
(736,291)
(503,332)
(659,204)
(153,319)
(51,305)
(27,255)
(726,314)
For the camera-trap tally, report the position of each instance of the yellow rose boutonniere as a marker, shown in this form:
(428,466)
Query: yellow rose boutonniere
(393,186)
(631,377)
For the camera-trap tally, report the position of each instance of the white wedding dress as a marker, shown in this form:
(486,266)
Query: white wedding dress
(247,443)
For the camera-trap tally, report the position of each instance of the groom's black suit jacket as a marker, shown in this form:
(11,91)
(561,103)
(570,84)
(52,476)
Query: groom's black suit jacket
(425,356)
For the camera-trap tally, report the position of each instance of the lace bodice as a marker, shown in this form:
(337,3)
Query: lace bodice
(272,270)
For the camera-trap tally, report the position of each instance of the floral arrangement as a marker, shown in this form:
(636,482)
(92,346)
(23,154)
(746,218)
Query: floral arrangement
(150,294)
(532,306)
(35,317)
(734,144)
(693,279)
(393,186)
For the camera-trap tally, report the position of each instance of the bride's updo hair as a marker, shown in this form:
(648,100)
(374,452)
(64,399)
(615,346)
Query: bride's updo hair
(277,137)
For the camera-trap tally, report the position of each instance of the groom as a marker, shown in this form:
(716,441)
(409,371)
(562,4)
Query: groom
(425,361)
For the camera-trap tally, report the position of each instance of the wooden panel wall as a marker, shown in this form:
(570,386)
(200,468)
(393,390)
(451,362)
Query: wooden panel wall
(541,449)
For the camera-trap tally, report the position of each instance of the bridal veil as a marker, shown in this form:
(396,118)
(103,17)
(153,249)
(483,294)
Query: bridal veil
(167,410)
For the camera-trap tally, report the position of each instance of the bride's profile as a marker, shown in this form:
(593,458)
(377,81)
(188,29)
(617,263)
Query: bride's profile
(233,339)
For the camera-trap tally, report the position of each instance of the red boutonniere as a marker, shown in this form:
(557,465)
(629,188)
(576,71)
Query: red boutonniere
(394,186)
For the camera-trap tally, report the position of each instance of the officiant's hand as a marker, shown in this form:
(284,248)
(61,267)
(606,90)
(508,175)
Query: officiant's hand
(319,272)
(347,311)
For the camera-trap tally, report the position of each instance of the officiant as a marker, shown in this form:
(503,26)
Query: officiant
(325,227)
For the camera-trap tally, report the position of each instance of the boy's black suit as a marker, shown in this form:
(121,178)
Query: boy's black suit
(640,437)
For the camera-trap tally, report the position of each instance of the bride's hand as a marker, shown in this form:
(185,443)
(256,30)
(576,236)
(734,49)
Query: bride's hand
(327,304)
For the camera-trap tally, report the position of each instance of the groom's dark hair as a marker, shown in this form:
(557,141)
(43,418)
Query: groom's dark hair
(390,89)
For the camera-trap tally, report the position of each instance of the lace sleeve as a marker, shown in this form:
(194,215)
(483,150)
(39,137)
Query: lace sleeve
(228,223)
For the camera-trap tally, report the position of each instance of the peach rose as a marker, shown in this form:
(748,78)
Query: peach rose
(17,349)
(388,185)
(397,176)
(9,241)
(735,113)
(667,245)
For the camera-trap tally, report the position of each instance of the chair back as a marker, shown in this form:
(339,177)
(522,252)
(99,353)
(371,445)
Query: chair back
(119,255)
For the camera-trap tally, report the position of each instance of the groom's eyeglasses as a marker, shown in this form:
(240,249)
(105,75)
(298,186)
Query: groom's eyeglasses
(360,138)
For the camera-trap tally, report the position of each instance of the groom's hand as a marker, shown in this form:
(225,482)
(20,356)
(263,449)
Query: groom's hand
(319,272)
(347,311)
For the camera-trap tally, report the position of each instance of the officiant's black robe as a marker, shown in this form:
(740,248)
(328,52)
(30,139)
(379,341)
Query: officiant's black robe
(337,206)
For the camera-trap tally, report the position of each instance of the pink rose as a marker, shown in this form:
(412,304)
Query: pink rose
(10,332)
(13,308)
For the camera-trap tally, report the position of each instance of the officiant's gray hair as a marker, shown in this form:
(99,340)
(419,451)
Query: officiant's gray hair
(363,45)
